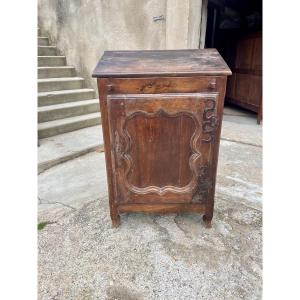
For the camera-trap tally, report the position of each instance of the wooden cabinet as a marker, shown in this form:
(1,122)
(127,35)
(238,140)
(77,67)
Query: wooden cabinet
(161,119)
(245,84)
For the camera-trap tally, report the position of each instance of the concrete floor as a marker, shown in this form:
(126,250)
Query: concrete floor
(154,256)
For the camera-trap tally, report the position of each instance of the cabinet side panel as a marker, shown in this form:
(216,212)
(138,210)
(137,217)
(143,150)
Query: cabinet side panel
(102,86)
(211,195)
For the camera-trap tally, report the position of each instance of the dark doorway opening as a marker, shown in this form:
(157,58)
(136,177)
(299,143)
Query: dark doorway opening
(234,27)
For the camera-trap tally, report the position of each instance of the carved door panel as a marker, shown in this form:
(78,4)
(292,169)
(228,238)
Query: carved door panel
(162,146)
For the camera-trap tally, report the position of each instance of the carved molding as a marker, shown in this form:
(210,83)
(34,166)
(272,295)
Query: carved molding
(153,86)
(118,149)
(124,153)
(204,183)
(210,120)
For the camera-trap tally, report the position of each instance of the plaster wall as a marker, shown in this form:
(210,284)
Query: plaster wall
(84,29)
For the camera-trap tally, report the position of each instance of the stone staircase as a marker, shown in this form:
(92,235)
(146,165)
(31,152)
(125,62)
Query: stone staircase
(64,103)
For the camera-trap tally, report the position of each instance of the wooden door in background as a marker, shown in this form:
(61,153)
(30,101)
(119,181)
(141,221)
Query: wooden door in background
(244,87)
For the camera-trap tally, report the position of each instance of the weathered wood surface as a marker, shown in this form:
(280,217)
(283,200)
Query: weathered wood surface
(161,137)
(153,85)
(161,63)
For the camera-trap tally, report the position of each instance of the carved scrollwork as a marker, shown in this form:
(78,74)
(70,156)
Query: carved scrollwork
(204,183)
(210,120)
(118,149)
(153,86)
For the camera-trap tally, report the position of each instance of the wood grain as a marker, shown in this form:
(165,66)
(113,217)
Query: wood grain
(163,85)
(162,133)
(161,63)
(161,208)
(245,85)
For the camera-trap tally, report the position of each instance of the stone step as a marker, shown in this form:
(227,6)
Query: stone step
(43,41)
(56,127)
(64,96)
(67,110)
(56,72)
(47,50)
(50,61)
(57,84)
(63,147)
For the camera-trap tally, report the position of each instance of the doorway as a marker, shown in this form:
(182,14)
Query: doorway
(234,28)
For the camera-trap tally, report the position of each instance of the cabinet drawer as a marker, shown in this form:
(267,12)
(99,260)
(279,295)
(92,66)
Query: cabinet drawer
(155,85)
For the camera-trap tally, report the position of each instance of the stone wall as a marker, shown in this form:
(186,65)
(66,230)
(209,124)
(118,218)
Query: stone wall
(83,29)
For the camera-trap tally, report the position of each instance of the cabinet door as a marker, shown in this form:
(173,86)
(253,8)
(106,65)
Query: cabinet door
(162,146)
(244,54)
(257,55)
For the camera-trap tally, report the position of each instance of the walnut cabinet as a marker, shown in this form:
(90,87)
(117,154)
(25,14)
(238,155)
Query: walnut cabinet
(161,119)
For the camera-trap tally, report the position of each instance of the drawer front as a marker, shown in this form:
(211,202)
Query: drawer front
(162,146)
(155,85)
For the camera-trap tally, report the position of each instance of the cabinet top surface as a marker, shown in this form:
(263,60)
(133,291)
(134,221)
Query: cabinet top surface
(161,63)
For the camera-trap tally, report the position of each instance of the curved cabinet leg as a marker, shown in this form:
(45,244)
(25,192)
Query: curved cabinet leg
(115,219)
(207,221)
